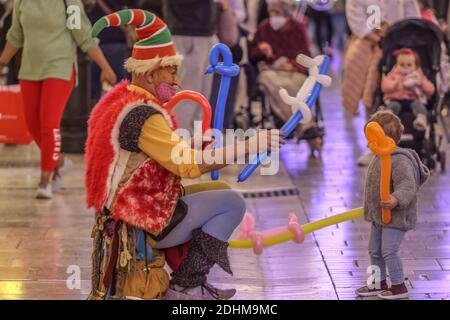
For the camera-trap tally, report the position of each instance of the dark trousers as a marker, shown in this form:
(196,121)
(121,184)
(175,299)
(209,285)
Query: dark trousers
(228,121)
(115,53)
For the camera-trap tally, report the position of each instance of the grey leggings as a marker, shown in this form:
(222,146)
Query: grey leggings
(217,212)
(416,106)
(383,250)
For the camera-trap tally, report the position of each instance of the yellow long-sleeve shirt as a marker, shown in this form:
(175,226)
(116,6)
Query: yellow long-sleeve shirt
(160,143)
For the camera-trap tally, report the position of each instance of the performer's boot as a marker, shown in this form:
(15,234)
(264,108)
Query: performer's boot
(189,282)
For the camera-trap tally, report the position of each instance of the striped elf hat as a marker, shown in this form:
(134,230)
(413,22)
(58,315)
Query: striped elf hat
(154,47)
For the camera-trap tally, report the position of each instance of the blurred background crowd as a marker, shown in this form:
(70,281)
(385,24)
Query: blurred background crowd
(264,37)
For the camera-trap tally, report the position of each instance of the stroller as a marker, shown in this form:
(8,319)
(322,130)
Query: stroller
(425,39)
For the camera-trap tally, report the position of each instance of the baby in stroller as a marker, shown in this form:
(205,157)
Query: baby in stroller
(406,86)
(410,65)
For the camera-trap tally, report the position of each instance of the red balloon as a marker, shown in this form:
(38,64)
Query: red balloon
(197,98)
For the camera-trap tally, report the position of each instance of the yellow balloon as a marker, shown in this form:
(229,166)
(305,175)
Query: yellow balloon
(307,228)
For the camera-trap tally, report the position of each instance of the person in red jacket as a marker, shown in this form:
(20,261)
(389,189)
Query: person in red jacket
(406,85)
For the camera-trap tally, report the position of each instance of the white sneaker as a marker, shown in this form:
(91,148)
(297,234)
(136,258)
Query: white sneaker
(365,159)
(420,123)
(44,192)
(58,178)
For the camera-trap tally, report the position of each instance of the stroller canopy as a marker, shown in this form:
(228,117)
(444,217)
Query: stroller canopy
(422,36)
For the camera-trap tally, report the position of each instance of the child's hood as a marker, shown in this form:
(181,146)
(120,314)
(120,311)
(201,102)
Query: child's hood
(422,171)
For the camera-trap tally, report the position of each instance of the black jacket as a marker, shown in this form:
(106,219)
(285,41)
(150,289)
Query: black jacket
(190,17)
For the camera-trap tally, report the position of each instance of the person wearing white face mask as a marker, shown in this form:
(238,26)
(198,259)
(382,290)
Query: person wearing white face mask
(277,42)
(277,22)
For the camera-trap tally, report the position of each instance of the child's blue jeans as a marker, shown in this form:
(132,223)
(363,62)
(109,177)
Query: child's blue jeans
(383,250)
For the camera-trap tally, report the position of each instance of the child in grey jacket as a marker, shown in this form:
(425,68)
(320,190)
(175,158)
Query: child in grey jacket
(407,175)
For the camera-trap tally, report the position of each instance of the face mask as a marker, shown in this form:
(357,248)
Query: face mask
(276,22)
(165,92)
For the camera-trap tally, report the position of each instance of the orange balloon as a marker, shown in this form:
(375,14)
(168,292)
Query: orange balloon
(382,146)
(197,98)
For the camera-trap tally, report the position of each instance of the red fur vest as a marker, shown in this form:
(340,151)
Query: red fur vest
(148,199)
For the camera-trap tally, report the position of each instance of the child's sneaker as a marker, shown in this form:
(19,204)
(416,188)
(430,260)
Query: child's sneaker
(44,191)
(203,292)
(396,292)
(420,123)
(367,292)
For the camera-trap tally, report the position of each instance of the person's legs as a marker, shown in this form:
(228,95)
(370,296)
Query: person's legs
(418,107)
(394,106)
(96,87)
(55,94)
(211,219)
(196,59)
(391,241)
(318,22)
(216,212)
(189,75)
(271,81)
(268,83)
(205,186)
(375,252)
(328,30)
(376,260)
(31,95)
(228,120)
(339,24)
(203,47)
(420,112)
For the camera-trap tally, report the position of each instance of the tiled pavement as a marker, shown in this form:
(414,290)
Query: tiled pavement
(39,240)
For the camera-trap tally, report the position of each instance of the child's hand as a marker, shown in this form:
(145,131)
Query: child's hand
(411,80)
(390,204)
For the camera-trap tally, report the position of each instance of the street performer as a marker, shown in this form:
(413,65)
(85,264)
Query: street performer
(134,184)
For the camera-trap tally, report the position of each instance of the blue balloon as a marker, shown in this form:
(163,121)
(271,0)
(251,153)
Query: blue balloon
(288,127)
(226,69)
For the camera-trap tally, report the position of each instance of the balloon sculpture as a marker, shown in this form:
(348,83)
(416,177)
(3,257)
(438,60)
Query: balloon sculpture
(227,69)
(197,98)
(300,104)
(382,146)
(250,238)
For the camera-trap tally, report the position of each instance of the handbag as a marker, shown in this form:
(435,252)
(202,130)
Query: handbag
(13,128)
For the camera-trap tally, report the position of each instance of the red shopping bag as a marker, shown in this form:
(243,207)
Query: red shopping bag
(13,129)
